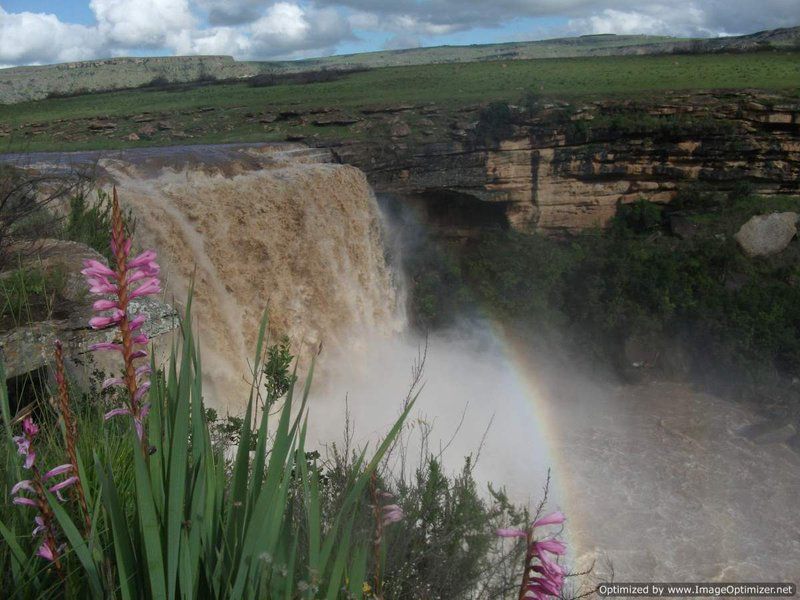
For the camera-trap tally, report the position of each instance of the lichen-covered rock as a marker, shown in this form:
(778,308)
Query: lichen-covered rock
(764,235)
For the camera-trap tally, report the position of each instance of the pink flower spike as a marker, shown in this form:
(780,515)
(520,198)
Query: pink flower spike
(148,256)
(139,354)
(141,339)
(111,382)
(60,470)
(25,484)
(19,500)
(116,413)
(556,518)
(64,484)
(104,305)
(511,533)
(95,266)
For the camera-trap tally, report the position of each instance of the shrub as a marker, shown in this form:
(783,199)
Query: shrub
(640,216)
(495,123)
(89,221)
(24,200)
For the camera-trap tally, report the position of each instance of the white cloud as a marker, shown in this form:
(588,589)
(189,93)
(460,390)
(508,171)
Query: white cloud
(142,23)
(283,21)
(39,38)
(657,20)
(263,29)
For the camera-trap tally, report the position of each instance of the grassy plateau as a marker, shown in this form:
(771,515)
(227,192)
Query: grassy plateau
(228,112)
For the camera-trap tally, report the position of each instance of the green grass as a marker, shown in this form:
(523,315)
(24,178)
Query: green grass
(449,85)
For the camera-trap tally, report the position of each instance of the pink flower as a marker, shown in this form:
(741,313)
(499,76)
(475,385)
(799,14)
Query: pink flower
(148,287)
(104,305)
(25,442)
(40,526)
(144,259)
(94,268)
(392,513)
(111,382)
(106,321)
(106,346)
(551,546)
(60,470)
(25,484)
(64,484)
(555,518)
(511,533)
(30,428)
(543,578)
(47,550)
(22,501)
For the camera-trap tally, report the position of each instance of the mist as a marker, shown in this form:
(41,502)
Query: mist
(656,477)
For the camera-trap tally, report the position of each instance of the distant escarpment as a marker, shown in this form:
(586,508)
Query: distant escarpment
(567,167)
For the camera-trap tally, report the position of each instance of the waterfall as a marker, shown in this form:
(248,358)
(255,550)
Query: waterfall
(256,228)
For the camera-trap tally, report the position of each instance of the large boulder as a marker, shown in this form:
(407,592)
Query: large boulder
(29,347)
(764,235)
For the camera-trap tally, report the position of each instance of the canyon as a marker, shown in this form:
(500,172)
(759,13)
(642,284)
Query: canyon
(297,228)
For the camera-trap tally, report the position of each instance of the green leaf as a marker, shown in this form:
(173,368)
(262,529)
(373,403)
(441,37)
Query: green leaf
(149,523)
(19,560)
(78,545)
(123,549)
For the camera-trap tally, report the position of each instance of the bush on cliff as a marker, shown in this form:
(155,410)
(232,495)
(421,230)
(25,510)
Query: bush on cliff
(495,124)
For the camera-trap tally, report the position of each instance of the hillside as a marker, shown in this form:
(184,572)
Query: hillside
(21,84)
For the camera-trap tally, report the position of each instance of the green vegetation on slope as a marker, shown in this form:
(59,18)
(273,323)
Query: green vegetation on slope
(700,301)
(449,85)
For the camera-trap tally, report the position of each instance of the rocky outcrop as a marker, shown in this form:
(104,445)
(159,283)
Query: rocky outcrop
(764,235)
(29,346)
(568,167)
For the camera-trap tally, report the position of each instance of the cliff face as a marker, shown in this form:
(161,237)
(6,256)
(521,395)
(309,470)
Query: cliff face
(567,167)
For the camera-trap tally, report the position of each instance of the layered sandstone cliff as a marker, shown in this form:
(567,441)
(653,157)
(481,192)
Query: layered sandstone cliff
(567,167)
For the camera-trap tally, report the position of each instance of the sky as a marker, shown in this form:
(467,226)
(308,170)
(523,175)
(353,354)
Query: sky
(53,31)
